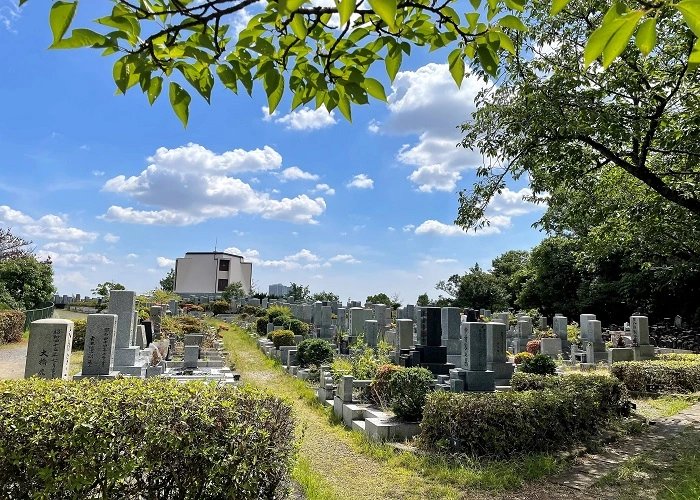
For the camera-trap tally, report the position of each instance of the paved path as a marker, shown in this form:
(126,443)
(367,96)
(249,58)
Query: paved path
(589,468)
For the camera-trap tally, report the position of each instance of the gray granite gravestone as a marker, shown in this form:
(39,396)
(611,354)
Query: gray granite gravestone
(49,348)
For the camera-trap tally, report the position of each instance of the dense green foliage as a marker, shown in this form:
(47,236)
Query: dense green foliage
(379,389)
(219,307)
(282,337)
(675,375)
(315,352)
(277,310)
(168,283)
(298,293)
(567,411)
(324,296)
(25,282)
(132,438)
(261,325)
(522,356)
(103,289)
(79,333)
(408,389)
(233,291)
(280,320)
(539,364)
(11,326)
(297,326)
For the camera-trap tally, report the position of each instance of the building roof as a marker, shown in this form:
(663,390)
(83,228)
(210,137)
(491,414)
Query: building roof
(214,253)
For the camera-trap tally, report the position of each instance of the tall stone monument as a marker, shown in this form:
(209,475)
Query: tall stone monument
(49,348)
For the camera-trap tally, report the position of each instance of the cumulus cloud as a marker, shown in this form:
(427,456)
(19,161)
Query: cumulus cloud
(408,228)
(9,14)
(190,184)
(346,258)
(165,262)
(110,238)
(323,188)
(373,126)
(303,119)
(72,260)
(47,227)
(62,246)
(361,181)
(436,228)
(295,173)
(132,256)
(511,203)
(435,177)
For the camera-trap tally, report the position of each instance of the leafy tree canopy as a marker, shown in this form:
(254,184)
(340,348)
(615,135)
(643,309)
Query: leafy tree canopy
(423,300)
(25,282)
(298,293)
(233,291)
(161,296)
(380,298)
(168,283)
(324,297)
(103,289)
(11,246)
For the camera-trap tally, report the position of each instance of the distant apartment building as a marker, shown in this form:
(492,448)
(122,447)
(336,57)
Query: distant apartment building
(209,273)
(279,290)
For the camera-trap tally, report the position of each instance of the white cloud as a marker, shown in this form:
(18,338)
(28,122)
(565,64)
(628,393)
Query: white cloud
(408,228)
(240,20)
(111,238)
(304,119)
(85,147)
(303,254)
(165,262)
(190,184)
(511,203)
(238,233)
(132,256)
(295,173)
(444,261)
(361,181)
(98,173)
(390,229)
(346,258)
(62,246)
(373,126)
(436,228)
(48,227)
(426,102)
(73,260)
(9,14)
(72,281)
(324,188)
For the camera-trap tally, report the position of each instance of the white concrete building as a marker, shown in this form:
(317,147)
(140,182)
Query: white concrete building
(279,290)
(209,273)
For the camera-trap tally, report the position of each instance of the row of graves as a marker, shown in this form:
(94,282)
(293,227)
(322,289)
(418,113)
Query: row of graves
(116,344)
(464,353)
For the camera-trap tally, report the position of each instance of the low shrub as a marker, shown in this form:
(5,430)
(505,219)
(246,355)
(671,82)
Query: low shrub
(278,310)
(566,411)
(522,356)
(409,389)
(11,326)
(192,308)
(540,364)
(314,352)
(533,347)
(251,310)
(659,375)
(379,389)
(298,327)
(79,333)
(133,438)
(282,337)
(220,307)
(261,325)
(190,324)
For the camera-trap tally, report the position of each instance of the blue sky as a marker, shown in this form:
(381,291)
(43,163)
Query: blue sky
(113,189)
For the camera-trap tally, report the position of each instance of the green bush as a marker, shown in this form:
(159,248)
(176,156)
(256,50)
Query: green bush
(568,410)
(282,337)
(261,325)
(540,364)
(298,327)
(79,332)
(314,352)
(522,356)
(659,375)
(220,307)
(133,438)
(280,320)
(278,310)
(409,389)
(11,326)
(251,310)
(379,389)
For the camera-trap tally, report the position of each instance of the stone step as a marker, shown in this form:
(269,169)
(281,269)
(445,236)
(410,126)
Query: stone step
(358,425)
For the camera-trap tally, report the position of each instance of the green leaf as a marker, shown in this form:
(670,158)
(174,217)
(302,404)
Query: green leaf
(273,84)
(345,10)
(289,6)
(298,26)
(506,42)
(392,61)
(645,39)
(120,73)
(694,58)
(518,5)
(228,77)
(472,19)
(457,70)
(487,59)
(618,42)
(475,3)
(691,13)
(344,107)
(374,88)
(154,88)
(510,21)
(60,17)
(386,10)
(558,6)
(80,37)
(180,102)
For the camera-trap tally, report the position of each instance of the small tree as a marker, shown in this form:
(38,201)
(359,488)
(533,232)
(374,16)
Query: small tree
(103,289)
(380,298)
(11,246)
(324,296)
(168,283)
(423,300)
(298,292)
(27,281)
(233,291)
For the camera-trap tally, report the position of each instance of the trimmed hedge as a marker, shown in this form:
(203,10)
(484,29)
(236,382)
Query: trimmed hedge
(540,364)
(261,325)
(409,389)
(659,375)
(568,410)
(11,326)
(314,352)
(297,326)
(132,438)
(79,333)
(282,337)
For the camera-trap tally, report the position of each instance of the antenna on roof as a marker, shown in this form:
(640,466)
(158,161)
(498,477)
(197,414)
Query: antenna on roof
(216,242)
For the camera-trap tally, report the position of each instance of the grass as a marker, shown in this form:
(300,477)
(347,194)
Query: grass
(313,485)
(666,405)
(76,362)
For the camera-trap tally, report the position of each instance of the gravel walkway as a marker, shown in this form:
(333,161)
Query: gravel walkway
(12,357)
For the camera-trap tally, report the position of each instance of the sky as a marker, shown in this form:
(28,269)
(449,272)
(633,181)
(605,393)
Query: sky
(112,189)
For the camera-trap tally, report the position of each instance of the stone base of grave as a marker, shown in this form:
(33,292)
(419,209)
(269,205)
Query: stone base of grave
(154,371)
(132,371)
(324,394)
(454,346)
(502,372)
(455,360)
(552,347)
(478,381)
(456,385)
(385,429)
(618,354)
(438,368)
(519,345)
(126,356)
(110,376)
(432,354)
(644,352)
(352,411)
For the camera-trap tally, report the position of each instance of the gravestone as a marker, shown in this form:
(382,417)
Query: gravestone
(583,324)
(148,329)
(49,348)
(126,354)
(371,332)
(639,331)
(404,336)
(140,337)
(433,355)
(356,323)
(317,313)
(450,323)
(342,319)
(98,353)
(496,360)
(191,356)
(156,313)
(474,358)
(307,312)
(503,318)
(380,316)
(325,322)
(524,332)
(595,347)
(172,305)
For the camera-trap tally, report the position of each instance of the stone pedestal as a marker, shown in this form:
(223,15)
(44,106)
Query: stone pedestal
(474,357)
(619,354)
(496,360)
(552,347)
(191,356)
